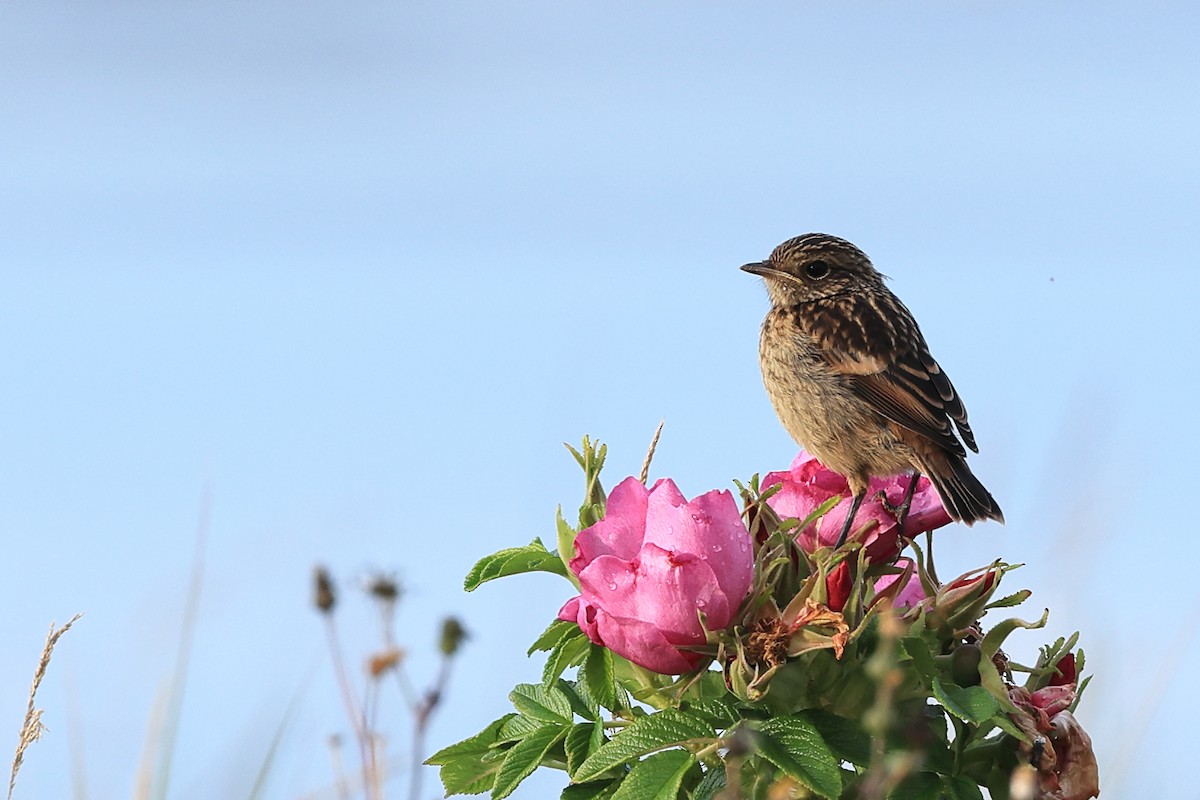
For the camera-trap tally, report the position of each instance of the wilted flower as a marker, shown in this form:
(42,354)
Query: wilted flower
(808,484)
(652,563)
(1066,763)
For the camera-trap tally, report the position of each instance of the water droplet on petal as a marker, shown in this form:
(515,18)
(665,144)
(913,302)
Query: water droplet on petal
(612,585)
(716,548)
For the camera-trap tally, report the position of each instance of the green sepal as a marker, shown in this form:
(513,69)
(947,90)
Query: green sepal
(566,545)
(1000,631)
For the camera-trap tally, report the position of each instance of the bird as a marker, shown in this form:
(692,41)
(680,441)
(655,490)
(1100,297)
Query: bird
(851,377)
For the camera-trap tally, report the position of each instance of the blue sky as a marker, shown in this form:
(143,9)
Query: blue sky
(362,268)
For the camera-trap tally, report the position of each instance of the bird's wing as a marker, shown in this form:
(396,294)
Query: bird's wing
(887,363)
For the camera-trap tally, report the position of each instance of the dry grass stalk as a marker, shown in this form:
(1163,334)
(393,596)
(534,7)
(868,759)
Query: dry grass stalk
(32,728)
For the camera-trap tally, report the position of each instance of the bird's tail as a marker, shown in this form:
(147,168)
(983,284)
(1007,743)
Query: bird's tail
(965,498)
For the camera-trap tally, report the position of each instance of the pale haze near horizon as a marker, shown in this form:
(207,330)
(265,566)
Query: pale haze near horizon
(360,270)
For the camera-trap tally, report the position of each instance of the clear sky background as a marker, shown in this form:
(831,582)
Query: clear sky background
(361,268)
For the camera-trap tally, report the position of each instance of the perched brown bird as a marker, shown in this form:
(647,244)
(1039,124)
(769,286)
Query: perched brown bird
(852,380)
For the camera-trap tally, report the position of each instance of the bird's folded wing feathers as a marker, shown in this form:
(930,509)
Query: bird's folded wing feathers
(904,384)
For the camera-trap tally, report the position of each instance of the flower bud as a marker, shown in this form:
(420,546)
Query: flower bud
(959,604)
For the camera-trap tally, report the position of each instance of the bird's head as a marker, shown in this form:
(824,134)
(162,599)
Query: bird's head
(812,267)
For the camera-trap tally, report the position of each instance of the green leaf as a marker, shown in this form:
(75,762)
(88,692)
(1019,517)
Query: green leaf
(581,700)
(545,704)
(795,746)
(973,703)
(580,743)
(710,785)
(918,786)
(469,776)
(555,633)
(958,787)
(533,557)
(845,737)
(659,731)
(600,678)
(657,777)
(719,713)
(524,757)
(474,745)
(568,652)
(593,790)
(470,766)
(517,727)
(917,649)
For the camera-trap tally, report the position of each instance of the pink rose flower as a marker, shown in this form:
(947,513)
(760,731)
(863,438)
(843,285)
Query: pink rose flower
(808,484)
(652,563)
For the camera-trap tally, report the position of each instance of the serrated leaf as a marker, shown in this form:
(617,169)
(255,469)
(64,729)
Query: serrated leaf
(648,734)
(554,633)
(795,746)
(599,676)
(579,744)
(918,786)
(710,785)
(477,744)
(845,737)
(469,776)
(593,790)
(524,757)
(719,713)
(569,651)
(580,699)
(545,704)
(657,777)
(533,557)
(957,787)
(971,703)
(518,727)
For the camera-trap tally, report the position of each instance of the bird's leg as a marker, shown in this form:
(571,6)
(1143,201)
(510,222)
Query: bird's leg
(906,503)
(858,498)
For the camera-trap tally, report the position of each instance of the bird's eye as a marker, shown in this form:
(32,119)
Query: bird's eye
(816,270)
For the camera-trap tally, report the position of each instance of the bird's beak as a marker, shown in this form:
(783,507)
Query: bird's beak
(762,268)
